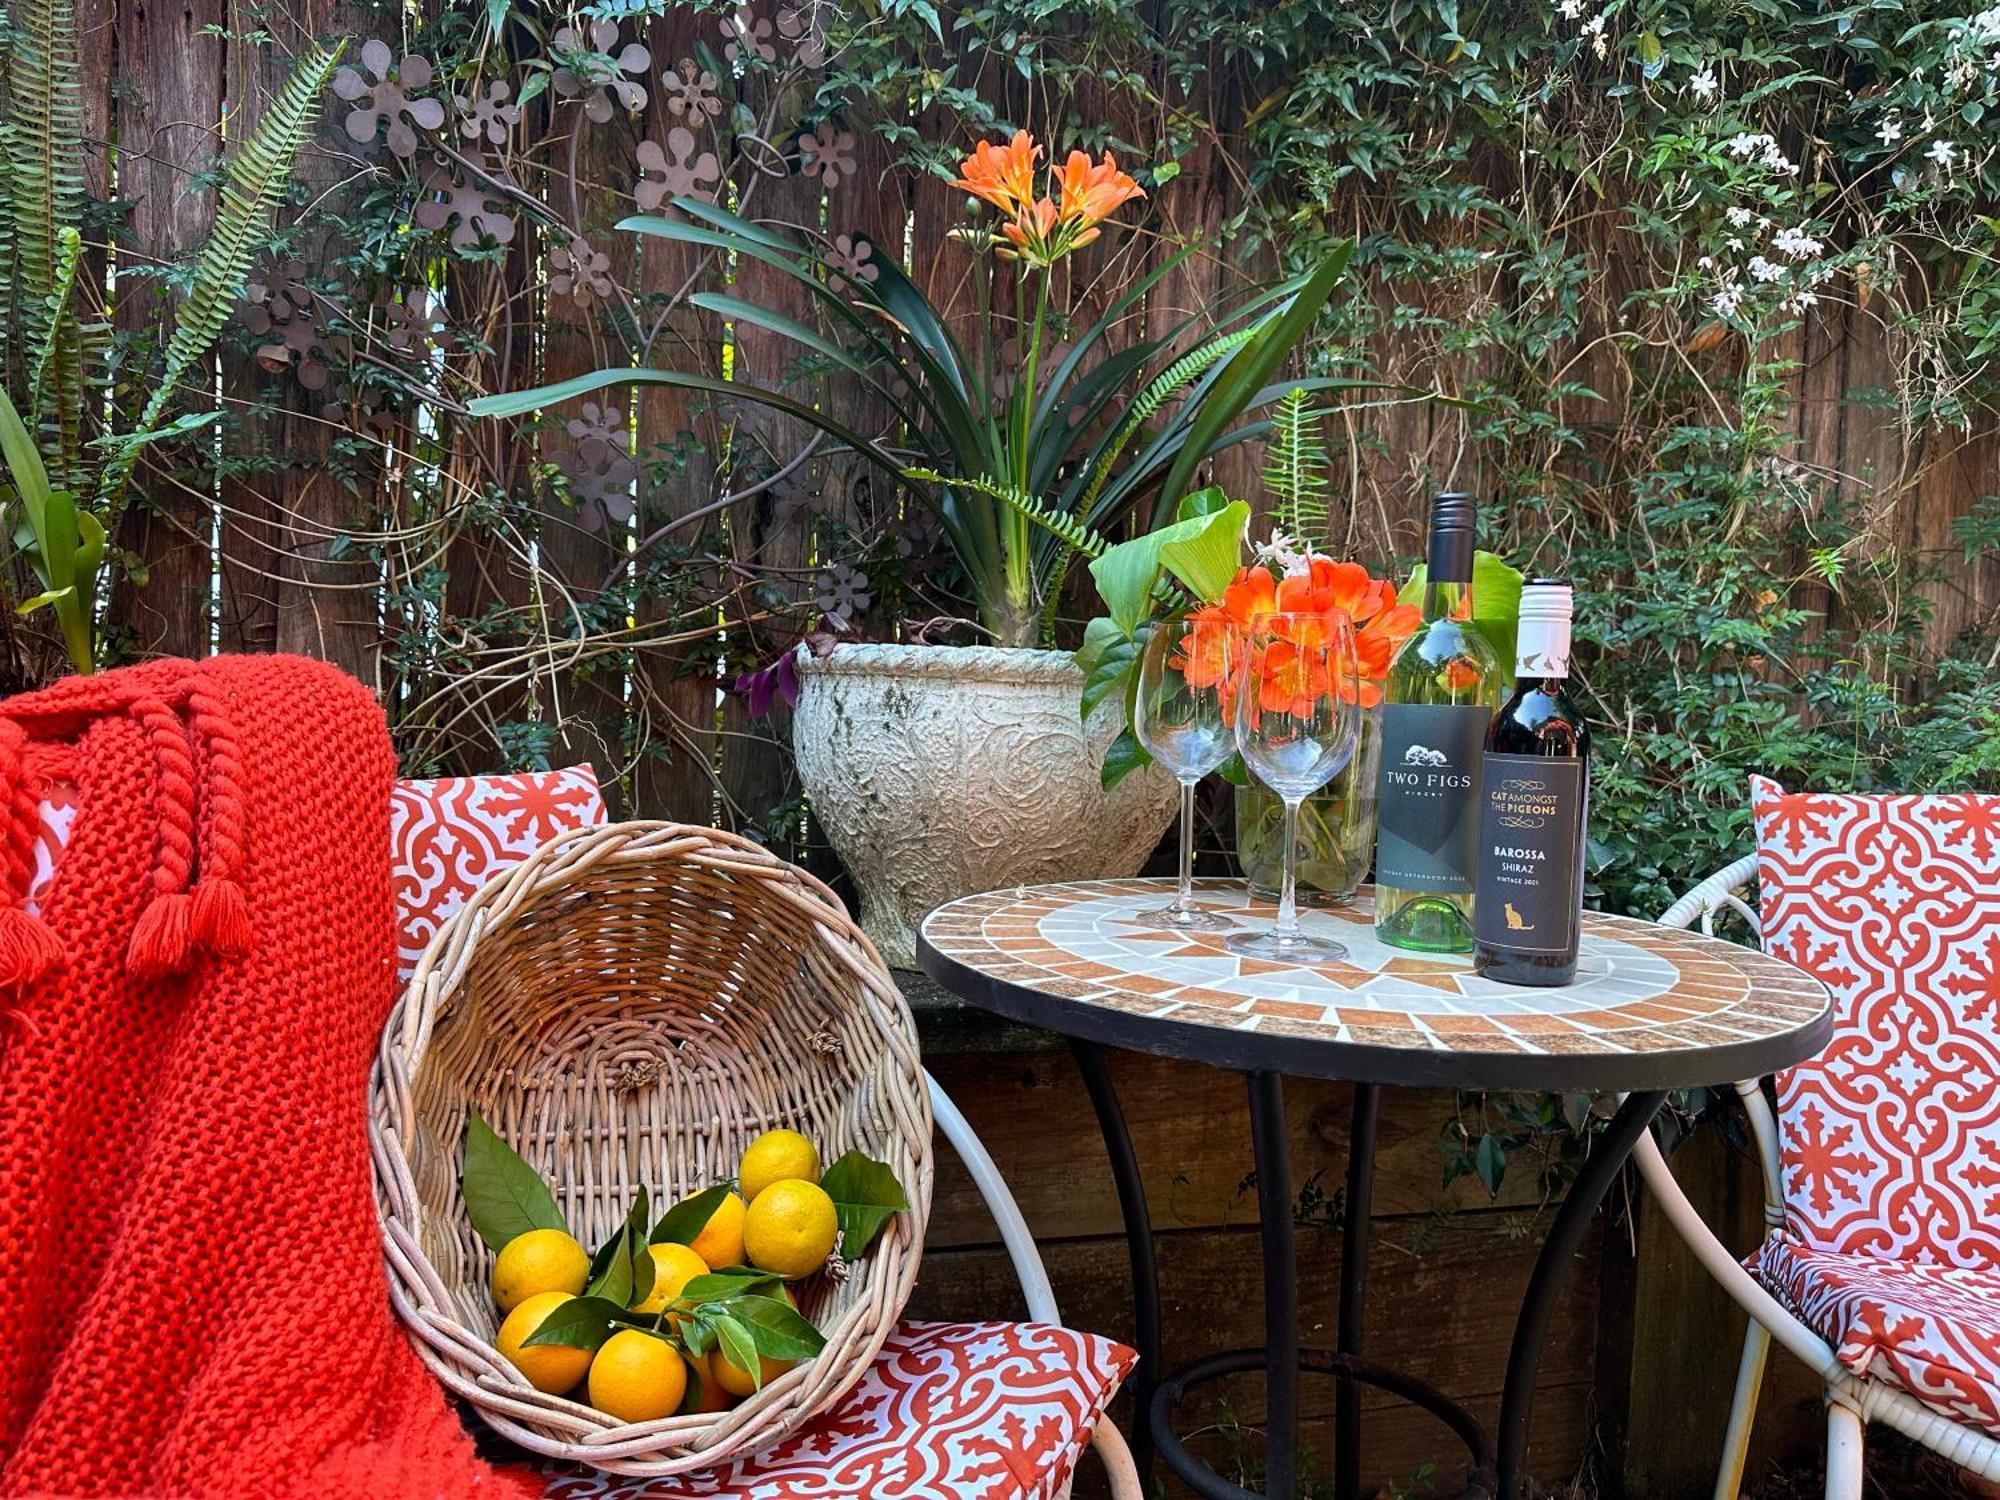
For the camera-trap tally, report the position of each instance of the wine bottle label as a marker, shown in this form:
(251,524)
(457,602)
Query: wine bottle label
(1531,817)
(1428,783)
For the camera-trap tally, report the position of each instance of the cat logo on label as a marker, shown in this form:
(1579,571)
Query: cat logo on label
(1515,921)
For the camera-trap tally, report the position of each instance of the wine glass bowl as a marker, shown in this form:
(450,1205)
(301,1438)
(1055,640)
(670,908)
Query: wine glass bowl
(1297,722)
(1185,703)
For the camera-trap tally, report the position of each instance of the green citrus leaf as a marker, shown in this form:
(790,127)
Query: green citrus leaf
(738,1345)
(504,1196)
(714,1288)
(680,1224)
(580,1323)
(866,1196)
(779,1330)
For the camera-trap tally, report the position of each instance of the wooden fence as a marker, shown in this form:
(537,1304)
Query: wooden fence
(351,511)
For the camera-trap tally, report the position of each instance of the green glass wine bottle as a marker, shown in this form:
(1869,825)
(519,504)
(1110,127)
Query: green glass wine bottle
(1440,695)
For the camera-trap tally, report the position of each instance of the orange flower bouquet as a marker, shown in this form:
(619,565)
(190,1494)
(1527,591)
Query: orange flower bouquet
(1336,829)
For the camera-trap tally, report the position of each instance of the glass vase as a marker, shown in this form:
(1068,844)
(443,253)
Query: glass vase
(1336,829)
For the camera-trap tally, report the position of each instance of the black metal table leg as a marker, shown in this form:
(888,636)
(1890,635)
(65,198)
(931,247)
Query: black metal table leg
(1138,1243)
(1354,1288)
(1608,1155)
(1281,1291)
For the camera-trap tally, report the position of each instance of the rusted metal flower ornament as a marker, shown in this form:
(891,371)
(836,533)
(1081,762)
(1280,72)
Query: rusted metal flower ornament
(581,274)
(590,70)
(828,154)
(599,466)
(680,169)
(387,98)
(471,210)
(746,35)
(691,92)
(491,117)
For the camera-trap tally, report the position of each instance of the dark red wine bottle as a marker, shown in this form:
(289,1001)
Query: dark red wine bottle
(1534,806)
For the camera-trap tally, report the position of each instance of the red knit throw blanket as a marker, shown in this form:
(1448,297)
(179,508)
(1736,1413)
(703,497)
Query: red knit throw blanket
(191,1284)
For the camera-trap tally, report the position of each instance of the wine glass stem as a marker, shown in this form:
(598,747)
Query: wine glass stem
(1288,893)
(1184,904)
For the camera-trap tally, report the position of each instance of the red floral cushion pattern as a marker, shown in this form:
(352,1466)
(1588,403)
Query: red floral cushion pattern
(1932,1330)
(1891,1135)
(450,837)
(948,1411)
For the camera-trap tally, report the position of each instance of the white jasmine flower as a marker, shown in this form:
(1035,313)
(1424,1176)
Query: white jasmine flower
(1765,270)
(1889,131)
(1703,85)
(1286,553)
(1725,301)
(1569,10)
(1801,301)
(1943,153)
(1740,216)
(1796,243)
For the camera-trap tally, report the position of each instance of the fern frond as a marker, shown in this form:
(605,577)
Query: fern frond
(45,194)
(253,183)
(1295,470)
(1072,532)
(1182,371)
(69,252)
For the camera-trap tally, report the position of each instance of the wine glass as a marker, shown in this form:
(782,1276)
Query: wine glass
(1298,719)
(1187,693)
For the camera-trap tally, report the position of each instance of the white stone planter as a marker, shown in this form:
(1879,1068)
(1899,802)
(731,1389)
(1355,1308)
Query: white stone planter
(938,771)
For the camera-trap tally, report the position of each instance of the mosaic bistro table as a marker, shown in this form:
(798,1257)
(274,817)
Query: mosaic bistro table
(1652,1009)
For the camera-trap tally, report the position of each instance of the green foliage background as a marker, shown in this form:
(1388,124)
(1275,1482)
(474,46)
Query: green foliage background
(1611,227)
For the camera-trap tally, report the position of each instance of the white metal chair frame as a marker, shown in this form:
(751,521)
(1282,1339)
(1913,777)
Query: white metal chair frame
(1852,1402)
(1029,1271)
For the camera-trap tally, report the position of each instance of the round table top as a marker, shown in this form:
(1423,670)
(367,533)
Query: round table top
(1651,1007)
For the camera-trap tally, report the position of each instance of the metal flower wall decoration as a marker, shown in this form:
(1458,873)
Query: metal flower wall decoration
(387,99)
(592,71)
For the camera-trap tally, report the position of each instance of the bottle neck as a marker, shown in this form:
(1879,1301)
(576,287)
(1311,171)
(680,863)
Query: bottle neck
(1447,599)
(1541,650)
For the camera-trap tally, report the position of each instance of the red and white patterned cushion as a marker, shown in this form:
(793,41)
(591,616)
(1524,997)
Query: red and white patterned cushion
(1931,1330)
(447,839)
(948,1411)
(1892,1134)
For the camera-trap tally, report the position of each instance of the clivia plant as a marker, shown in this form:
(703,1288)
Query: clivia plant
(998,444)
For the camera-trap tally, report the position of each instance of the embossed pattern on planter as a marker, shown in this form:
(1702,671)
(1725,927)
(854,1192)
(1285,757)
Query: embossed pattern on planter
(938,771)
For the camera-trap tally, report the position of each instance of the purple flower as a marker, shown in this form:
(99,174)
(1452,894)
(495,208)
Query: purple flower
(765,686)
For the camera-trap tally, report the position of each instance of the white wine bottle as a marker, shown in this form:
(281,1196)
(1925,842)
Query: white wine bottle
(1534,804)
(1442,689)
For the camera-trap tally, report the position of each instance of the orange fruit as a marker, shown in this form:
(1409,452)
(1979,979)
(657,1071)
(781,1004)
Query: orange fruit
(637,1377)
(554,1368)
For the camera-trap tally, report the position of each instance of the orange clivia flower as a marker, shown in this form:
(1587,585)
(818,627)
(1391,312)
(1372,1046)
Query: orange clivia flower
(1326,588)
(1091,192)
(1031,228)
(1042,230)
(1003,176)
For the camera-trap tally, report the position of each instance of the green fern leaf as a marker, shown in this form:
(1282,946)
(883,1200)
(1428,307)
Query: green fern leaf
(43,144)
(1183,371)
(1295,470)
(253,184)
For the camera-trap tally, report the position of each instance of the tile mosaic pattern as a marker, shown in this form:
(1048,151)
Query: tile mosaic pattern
(1639,988)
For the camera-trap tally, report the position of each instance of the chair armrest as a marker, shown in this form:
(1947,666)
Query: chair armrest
(1014,1233)
(1717,1259)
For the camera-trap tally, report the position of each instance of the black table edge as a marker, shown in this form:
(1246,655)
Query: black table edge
(1366,1062)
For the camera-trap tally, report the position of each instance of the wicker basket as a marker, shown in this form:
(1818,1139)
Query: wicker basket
(633,1004)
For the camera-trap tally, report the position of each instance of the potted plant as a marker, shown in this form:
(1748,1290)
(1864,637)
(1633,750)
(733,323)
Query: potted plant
(941,770)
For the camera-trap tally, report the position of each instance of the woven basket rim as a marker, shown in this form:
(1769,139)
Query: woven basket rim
(797,910)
